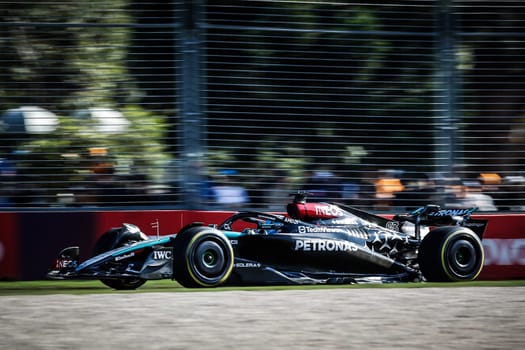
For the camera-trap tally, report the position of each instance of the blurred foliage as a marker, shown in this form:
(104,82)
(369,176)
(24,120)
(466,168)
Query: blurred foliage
(304,67)
(321,64)
(73,63)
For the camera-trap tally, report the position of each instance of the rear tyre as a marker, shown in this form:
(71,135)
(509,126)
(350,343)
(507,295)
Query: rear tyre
(202,257)
(451,254)
(116,238)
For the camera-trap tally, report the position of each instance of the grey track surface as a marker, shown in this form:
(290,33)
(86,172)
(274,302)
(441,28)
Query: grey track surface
(384,318)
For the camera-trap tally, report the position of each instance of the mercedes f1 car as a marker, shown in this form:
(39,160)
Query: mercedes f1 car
(315,243)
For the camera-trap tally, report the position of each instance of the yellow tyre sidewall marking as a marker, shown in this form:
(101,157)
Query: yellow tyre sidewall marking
(443,253)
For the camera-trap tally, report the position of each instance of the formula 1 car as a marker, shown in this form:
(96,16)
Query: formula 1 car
(315,243)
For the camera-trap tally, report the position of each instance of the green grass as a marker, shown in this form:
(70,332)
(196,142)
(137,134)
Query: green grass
(94,287)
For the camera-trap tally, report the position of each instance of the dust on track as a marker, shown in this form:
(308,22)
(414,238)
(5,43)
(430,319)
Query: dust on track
(385,318)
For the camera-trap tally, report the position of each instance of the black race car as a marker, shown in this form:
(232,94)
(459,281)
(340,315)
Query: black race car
(315,243)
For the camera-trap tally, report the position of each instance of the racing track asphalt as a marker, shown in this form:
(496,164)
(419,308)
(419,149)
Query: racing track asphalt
(377,318)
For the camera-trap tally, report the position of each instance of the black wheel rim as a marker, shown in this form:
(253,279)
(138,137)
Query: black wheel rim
(209,260)
(463,258)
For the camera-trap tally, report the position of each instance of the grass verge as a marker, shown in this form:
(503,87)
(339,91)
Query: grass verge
(94,287)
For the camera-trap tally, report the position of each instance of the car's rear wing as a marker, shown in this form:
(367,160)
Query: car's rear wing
(477,225)
(434,215)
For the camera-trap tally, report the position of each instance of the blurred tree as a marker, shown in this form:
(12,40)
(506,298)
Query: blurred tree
(67,57)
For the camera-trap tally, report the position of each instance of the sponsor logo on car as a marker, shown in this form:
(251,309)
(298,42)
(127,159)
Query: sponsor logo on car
(247,264)
(288,220)
(324,245)
(325,229)
(453,212)
(125,256)
(64,263)
(162,254)
(318,229)
(328,210)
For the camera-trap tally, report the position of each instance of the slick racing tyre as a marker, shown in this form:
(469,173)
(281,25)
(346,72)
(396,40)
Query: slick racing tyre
(450,254)
(202,257)
(116,238)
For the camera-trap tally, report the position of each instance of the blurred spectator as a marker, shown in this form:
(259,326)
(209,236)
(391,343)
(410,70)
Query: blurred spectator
(22,191)
(83,193)
(468,194)
(277,195)
(367,190)
(513,188)
(7,181)
(101,186)
(227,192)
(191,183)
(491,185)
(476,197)
(387,185)
(106,187)
(323,186)
(419,190)
(138,190)
(350,192)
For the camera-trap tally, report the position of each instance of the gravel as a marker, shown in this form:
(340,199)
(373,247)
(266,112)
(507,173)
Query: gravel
(376,318)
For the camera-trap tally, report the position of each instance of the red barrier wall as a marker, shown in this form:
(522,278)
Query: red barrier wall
(170,221)
(504,244)
(29,241)
(9,250)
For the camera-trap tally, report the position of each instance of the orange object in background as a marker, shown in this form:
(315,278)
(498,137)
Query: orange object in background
(386,187)
(490,179)
(98,151)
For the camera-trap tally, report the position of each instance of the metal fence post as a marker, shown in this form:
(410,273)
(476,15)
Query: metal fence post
(193,125)
(446,119)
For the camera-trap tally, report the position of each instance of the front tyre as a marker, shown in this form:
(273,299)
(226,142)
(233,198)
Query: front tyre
(116,238)
(451,254)
(202,257)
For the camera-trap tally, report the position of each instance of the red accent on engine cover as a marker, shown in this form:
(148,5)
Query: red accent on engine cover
(309,211)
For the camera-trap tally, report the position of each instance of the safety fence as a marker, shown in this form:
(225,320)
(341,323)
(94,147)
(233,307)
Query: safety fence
(230,104)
